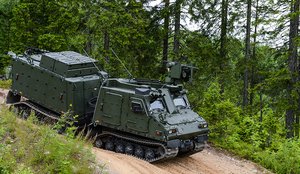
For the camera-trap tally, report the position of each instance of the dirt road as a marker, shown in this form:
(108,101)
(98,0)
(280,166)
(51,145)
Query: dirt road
(209,161)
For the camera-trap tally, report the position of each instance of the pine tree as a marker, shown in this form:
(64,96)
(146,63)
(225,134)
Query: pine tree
(166,15)
(6,7)
(177,15)
(247,54)
(292,66)
(223,40)
(253,67)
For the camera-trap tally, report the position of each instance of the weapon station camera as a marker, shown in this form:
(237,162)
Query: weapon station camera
(178,73)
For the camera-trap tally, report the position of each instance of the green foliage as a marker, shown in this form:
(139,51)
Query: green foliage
(35,25)
(5,84)
(285,160)
(202,53)
(39,149)
(66,125)
(243,134)
(222,115)
(6,7)
(5,61)
(52,42)
(132,37)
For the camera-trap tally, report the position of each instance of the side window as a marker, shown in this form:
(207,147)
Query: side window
(137,107)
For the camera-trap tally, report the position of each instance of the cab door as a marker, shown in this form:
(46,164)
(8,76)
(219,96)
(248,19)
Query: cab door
(109,109)
(137,117)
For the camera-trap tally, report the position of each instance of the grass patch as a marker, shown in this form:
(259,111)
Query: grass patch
(5,84)
(29,148)
(284,159)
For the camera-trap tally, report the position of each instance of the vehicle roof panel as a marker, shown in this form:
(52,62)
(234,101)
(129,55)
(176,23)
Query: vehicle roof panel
(70,57)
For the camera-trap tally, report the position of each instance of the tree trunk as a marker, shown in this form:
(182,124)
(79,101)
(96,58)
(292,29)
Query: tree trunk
(89,32)
(254,53)
(261,110)
(8,35)
(177,28)
(247,54)
(88,45)
(223,49)
(292,65)
(9,26)
(297,124)
(106,45)
(297,117)
(166,35)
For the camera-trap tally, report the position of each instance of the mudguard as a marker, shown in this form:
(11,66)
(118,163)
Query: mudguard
(12,98)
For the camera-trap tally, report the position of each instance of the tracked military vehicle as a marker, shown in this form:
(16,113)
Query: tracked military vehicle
(148,119)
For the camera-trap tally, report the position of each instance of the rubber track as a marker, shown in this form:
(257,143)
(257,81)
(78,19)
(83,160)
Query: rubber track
(37,108)
(142,142)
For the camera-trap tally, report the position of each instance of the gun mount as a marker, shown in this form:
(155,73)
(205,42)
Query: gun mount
(178,73)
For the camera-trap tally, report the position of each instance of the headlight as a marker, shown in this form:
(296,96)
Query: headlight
(172,131)
(203,125)
(158,133)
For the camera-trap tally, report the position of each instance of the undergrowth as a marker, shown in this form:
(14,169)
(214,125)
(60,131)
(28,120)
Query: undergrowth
(5,84)
(28,148)
(246,135)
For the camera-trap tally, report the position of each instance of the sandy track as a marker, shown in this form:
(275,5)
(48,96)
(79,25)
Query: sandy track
(209,161)
(123,164)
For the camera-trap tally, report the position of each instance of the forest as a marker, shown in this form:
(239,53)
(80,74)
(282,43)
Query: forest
(247,82)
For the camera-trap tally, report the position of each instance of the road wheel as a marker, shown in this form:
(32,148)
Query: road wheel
(98,143)
(109,145)
(139,152)
(160,151)
(149,154)
(120,148)
(25,113)
(129,149)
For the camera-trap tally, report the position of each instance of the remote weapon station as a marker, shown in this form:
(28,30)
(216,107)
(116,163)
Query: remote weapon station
(144,118)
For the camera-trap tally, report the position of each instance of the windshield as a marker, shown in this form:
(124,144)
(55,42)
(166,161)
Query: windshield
(180,102)
(157,104)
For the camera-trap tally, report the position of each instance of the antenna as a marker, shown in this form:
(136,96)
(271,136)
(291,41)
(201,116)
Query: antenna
(130,75)
(91,58)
